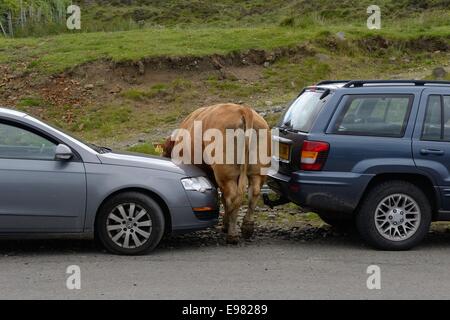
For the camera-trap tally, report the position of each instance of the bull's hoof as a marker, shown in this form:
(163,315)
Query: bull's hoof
(247,230)
(232,239)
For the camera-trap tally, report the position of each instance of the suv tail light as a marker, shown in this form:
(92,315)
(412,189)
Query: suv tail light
(314,154)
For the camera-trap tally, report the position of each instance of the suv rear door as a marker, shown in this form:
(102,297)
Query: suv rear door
(431,140)
(371,131)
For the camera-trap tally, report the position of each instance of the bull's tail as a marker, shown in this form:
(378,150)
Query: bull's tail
(247,117)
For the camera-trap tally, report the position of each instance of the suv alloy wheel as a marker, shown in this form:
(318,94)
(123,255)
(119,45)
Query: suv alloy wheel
(395,215)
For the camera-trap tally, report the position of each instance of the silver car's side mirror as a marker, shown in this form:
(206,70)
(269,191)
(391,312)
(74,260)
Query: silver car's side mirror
(63,153)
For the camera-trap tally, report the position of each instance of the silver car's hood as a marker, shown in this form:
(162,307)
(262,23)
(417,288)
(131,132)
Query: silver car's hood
(149,162)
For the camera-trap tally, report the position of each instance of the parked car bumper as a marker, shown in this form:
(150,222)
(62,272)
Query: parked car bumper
(322,190)
(203,212)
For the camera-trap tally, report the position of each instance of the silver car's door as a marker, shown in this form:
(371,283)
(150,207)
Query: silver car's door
(37,192)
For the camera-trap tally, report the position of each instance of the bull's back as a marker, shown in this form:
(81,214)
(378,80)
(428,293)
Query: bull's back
(222,117)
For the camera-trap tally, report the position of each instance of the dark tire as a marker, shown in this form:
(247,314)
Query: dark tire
(384,197)
(339,221)
(148,230)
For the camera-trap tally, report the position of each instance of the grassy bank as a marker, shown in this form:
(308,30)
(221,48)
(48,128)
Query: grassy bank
(58,53)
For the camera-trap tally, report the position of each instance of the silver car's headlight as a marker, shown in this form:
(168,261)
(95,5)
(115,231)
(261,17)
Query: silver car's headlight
(200,184)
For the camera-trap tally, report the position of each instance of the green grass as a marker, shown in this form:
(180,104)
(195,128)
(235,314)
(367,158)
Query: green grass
(31,102)
(58,53)
(119,15)
(158,90)
(224,88)
(134,94)
(300,74)
(109,124)
(144,148)
(177,90)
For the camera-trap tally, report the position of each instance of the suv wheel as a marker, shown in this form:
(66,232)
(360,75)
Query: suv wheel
(130,223)
(395,215)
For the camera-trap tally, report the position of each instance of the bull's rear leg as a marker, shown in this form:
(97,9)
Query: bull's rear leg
(254,190)
(232,201)
(225,219)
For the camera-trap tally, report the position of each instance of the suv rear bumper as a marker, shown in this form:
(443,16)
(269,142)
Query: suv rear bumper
(321,190)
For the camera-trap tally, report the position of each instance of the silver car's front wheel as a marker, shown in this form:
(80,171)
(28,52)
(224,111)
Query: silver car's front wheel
(129,225)
(397,217)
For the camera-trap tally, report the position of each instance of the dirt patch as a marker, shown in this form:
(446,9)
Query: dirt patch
(102,80)
(422,44)
(380,44)
(149,71)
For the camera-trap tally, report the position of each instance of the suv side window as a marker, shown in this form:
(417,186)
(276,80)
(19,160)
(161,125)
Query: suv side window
(18,143)
(436,126)
(446,104)
(374,115)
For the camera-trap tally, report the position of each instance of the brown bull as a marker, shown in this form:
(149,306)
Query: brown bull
(231,177)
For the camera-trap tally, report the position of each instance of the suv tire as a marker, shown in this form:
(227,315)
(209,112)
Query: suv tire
(130,223)
(394,215)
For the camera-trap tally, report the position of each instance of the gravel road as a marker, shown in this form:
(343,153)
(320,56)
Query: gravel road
(279,263)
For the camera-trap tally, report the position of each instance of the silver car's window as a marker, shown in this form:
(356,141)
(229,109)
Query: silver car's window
(18,143)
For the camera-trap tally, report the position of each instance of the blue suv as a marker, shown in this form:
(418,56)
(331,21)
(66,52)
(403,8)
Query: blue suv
(373,153)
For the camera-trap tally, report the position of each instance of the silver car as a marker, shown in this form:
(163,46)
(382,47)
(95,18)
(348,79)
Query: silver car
(51,183)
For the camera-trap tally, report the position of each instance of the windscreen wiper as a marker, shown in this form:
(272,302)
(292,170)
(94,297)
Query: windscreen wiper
(100,149)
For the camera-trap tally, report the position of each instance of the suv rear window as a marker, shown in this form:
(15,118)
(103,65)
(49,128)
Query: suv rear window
(437,119)
(302,112)
(374,115)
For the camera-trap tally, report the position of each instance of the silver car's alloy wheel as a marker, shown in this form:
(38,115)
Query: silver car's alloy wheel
(397,217)
(129,225)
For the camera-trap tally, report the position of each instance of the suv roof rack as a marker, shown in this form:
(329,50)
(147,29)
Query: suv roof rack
(361,83)
(332,82)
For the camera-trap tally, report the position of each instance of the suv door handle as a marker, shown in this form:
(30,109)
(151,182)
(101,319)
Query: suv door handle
(432,151)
